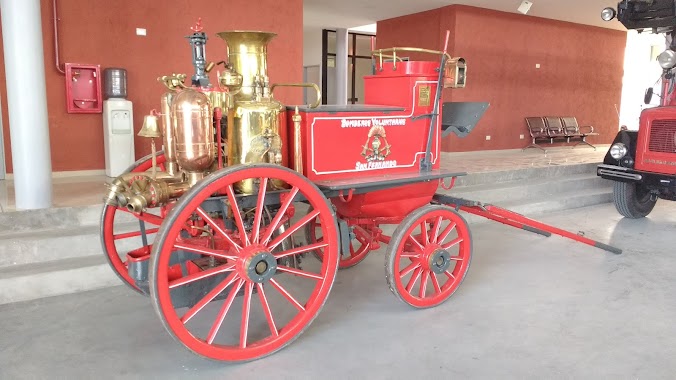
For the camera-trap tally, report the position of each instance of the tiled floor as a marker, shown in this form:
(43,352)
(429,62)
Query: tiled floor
(76,191)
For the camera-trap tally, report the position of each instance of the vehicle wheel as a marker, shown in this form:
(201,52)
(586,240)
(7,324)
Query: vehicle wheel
(120,236)
(195,298)
(433,245)
(359,246)
(632,200)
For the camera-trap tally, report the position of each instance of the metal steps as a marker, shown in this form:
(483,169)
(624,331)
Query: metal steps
(535,191)
(38,280)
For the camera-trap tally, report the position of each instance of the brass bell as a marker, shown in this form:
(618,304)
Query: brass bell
(150,127)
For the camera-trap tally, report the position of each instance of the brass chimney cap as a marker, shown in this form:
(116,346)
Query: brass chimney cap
(246,36)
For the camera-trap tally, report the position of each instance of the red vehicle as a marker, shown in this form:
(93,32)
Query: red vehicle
(253,201)
(643,163)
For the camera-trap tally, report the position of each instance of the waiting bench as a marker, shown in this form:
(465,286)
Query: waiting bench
(557,128)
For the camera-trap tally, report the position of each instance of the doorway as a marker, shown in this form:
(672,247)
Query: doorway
(359,64)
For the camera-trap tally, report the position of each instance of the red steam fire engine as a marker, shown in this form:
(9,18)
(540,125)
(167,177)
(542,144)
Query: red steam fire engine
(236,229)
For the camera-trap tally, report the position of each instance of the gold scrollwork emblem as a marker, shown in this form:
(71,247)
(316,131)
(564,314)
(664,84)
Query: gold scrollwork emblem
(376,147)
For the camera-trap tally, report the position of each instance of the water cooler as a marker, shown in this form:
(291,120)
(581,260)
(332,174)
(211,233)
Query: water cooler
(118,123)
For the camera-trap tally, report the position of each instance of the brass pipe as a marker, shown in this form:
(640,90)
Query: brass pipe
(309,85)
(409,49)
(394,50)
(156,193)
(230,126)
(297,143)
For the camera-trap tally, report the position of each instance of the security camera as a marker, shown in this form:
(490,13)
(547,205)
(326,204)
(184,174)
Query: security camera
(525,6)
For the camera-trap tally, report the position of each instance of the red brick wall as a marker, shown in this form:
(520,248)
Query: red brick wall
(580,75)
(103,32)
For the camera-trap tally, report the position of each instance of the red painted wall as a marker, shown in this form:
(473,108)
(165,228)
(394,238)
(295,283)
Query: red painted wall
(104,32)
(580,75)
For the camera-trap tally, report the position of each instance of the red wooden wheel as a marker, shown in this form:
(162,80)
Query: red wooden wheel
(359,246)
(247,260)
(428,256)
(119,237)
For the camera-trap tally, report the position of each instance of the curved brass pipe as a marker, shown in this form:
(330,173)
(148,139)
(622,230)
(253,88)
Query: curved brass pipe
(394,50)
(312,85)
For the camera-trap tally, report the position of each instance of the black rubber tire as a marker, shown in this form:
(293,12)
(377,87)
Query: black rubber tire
(631,201)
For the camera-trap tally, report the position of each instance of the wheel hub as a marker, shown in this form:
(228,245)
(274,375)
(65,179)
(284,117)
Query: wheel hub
(439,261)
(259,267)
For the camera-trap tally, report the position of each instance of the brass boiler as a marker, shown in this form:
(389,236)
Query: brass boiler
(258,132)
(193,133)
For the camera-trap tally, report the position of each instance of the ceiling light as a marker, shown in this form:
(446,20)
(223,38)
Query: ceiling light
(608,14)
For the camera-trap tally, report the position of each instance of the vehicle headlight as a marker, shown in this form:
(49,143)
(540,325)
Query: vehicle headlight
(607,14)
(667,59)
(617,151)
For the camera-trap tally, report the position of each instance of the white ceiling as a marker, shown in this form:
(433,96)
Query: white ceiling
(355,13)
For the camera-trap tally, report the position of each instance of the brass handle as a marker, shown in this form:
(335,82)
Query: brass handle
(173,81)
(319,92)
(394,50)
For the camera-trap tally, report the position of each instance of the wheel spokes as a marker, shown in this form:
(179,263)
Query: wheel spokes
(266,310)
(299,272)
(282,211)
(446,232)
(435,231)
(300,224)
(246,310)
(410,255)
(203,251)
(413,266)
(237,215)
(201,275)
(295,251)
(414,278)
(423,283)
(287,295)
(424,232)
(416,243)
(209,297)
(223,312)
(435,283)
(260,204)
(203,214)
(453,243)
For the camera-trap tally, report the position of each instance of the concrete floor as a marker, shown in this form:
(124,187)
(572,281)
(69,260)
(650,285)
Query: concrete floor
(531,307)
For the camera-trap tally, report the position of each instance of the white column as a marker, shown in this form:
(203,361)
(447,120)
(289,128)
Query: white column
(27,103)
(341,66)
